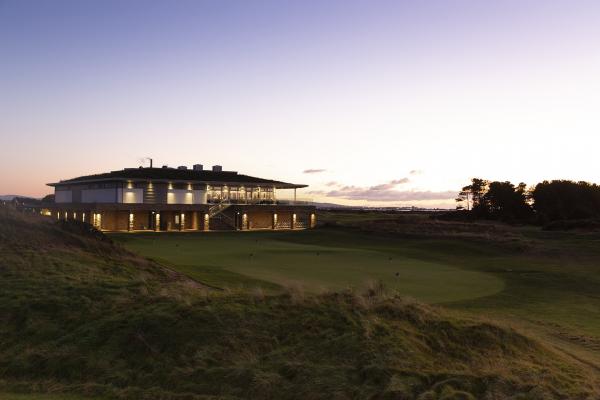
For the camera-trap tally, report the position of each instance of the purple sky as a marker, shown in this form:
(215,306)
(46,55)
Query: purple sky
(395,102)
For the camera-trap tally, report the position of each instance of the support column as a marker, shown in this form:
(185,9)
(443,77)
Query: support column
(157,221)
(130,222)
(195,220)
(181,220)
(97,220)
(274,220)
(293,225)
(313,220)
(206,222)
(244,222)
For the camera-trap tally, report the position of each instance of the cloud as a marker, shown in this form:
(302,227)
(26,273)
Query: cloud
(332,183)
(390,184)
(416,172)
(313,171)
(385,192)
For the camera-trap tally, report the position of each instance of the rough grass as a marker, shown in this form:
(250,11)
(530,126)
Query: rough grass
(80,315)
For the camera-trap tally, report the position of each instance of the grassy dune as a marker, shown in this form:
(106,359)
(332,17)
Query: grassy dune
(79,315)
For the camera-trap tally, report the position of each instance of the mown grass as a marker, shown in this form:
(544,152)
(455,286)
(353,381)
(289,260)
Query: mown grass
(272,260)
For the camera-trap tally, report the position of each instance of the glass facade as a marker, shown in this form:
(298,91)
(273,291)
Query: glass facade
(240,194)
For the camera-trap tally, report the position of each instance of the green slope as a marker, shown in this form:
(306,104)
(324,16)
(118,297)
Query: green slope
(80,315)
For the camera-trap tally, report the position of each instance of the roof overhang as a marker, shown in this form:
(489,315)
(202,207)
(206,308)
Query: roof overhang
(277,185)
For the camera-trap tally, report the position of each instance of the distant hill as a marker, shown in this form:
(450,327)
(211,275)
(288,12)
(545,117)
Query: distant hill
(329,205)
(10,197)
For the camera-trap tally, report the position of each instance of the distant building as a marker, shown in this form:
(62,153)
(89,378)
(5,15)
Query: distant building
(181,199)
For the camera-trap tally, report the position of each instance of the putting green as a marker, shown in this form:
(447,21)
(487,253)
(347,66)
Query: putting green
(258,258)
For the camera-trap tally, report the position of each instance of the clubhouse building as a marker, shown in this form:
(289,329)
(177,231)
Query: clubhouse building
(178,199)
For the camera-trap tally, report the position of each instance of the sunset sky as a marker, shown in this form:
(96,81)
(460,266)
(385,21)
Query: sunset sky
(368,102)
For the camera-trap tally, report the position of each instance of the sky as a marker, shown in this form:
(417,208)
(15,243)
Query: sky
(391,103)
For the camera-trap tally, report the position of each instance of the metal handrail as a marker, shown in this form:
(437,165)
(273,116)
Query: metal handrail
(218,208)
(262,201)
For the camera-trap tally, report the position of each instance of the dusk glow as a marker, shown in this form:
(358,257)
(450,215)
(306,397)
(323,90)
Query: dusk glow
(367,102)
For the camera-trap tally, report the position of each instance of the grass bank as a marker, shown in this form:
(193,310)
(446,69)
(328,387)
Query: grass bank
(80,315)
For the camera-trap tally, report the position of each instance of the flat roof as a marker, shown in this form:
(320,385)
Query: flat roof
(178,175)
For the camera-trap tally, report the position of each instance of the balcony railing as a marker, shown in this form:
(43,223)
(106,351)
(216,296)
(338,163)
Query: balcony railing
(262,201)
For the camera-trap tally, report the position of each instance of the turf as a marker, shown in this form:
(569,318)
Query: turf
(269,260)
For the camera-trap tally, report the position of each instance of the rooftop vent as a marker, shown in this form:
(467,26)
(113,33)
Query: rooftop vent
(198,167)
(217,168)
(182,167)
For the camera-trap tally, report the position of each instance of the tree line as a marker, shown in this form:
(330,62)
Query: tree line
(545,202)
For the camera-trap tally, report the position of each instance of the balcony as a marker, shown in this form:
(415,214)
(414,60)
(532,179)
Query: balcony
(297,202)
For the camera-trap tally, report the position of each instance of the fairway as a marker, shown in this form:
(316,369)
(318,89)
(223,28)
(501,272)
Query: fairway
(262,259)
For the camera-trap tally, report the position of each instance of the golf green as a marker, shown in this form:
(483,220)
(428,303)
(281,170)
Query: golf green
(260,259)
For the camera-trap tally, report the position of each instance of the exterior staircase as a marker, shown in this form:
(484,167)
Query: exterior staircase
(218,208)
(220,219)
